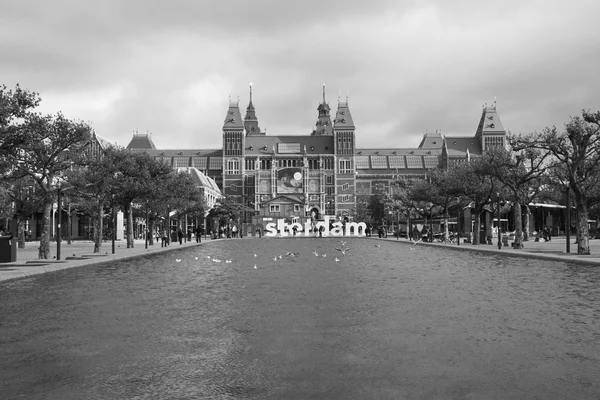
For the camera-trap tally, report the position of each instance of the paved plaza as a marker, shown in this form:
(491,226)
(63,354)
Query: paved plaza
(77,254)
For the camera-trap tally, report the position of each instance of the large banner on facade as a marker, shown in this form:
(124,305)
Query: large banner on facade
(289,180)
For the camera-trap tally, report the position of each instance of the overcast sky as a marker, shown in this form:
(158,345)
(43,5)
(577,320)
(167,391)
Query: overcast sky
(169,67)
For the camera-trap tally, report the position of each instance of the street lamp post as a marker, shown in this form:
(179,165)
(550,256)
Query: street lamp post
(431,218)
(58,236)
(568,221)
(499,230)
(458,221)
(114,224)
(146,226)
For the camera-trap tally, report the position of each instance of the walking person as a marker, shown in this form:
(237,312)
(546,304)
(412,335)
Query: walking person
(180,235)
(199,234)
(164,238)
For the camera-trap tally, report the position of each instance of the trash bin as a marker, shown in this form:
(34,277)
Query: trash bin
(8,249)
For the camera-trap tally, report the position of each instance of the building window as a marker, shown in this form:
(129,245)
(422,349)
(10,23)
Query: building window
(199,163)
(329,179)
(328,163)
(296,207)
(362,162)
(233,167)
(397,162)
(288,148)
(414,162)
(215,163)
(274,208)
(181,162)
(493,142)
(233,187)
(313,197)
(329,190)
(250,164)
(345,198)
(345,167)
(431,161)
(265,164)
(379,162)
(345,186)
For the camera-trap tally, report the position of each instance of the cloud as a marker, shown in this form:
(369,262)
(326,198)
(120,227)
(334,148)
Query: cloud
(407,66)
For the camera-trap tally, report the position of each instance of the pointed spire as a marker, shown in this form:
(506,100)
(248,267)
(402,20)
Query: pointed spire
(323,92)
(250,120)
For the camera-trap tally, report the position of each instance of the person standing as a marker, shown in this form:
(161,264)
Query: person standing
(165,238)
(199,234)
(180,235)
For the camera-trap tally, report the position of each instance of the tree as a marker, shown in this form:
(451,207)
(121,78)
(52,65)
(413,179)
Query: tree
(361,211)
(25,203)
(182,195)
(34,146)
(520,169)
(225,210)
(576,153)
(138,177)
(94,184)
(477,186)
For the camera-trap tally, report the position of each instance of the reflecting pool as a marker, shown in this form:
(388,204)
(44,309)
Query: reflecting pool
(387,322)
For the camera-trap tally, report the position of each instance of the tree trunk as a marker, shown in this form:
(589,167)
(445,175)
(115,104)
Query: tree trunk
(476,231)
(583,238)
(44,249)
(446,230)
(69,224)
(518,244)
(167,226)
(151,231)
(20,233)
(130,241)
(526,223)
(98,227)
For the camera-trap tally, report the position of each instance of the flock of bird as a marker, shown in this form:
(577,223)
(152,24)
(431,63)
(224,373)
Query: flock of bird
(342,249)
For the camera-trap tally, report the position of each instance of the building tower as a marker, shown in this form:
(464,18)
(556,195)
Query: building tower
(250,120)
(323,125)
(344,147)
(233,152)
(490,132)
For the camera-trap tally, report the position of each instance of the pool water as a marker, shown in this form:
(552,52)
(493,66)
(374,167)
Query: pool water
(387,322)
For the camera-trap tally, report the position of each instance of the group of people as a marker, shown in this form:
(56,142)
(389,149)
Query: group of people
(225,231)
(547,234)
(178,232)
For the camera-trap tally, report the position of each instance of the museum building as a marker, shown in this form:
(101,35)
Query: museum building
(321,173)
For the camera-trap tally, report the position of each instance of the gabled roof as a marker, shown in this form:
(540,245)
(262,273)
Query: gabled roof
(141,141)
(186,152)
(432,140)
(490,122)
(200,179)
(297,144)
(343,118)
(233,119)
(459,146)
(398,152)
(103,142)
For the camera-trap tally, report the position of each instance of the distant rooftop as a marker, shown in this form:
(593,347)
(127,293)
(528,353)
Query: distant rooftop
(141,141)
